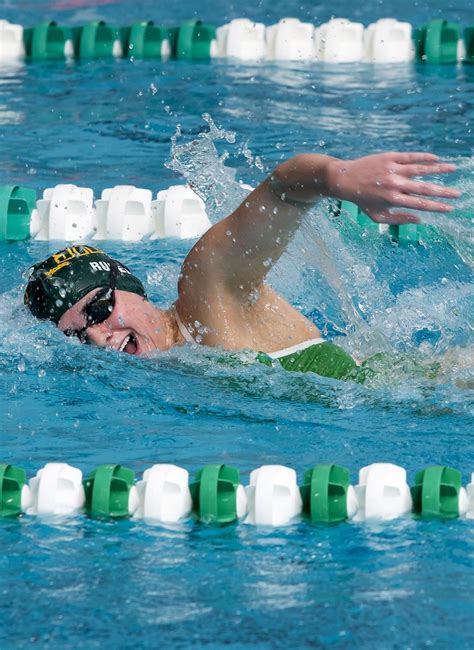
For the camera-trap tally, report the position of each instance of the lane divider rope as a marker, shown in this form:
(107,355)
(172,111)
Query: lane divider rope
(215,495)
(337,41)
(127,213)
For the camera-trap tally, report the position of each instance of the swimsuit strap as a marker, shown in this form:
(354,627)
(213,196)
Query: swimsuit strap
(183,329)
(295,348)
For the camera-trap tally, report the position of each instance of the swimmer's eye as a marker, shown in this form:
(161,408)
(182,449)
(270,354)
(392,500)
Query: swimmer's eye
(98,309)
(100,306)
(80,334)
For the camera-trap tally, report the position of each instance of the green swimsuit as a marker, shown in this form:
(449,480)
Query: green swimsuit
(318,356)
(329,360)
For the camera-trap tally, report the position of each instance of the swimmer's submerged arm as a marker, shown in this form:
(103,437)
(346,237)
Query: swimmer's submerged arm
(239,251)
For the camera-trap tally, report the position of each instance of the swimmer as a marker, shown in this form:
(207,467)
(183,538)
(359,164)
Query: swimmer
(223,299)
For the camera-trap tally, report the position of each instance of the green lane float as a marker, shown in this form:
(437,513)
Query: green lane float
(195,41)
(438,493)
(410,233)
(355,214)
(218,497)
(47,41)
(14,494)
(16,209)
(468,38)
(328,497)
(437,42)
(145,40)
(96,40)
(110,492)
(407,233)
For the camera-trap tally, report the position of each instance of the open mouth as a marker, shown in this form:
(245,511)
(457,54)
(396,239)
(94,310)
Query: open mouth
(129,345)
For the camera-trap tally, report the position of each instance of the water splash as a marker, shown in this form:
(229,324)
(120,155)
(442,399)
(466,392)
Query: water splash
(331,267)
(200,164)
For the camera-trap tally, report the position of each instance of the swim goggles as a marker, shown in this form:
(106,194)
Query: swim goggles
(99,308)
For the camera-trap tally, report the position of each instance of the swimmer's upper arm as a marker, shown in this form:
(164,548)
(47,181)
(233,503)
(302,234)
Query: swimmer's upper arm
(235,255)
(238,252)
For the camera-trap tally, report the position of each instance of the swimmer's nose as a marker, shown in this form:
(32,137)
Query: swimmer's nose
(100,335)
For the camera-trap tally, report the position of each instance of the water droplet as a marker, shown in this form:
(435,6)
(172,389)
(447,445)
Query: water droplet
(21,366)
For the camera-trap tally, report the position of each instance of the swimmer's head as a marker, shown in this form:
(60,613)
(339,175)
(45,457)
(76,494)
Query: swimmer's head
(63,279)
(97,299)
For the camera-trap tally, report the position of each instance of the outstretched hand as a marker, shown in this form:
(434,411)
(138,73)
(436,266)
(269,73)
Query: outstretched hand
(380,183)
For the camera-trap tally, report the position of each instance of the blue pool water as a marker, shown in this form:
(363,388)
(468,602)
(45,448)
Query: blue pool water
(74,582)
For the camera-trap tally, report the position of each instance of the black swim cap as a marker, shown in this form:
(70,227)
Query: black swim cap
(57,283)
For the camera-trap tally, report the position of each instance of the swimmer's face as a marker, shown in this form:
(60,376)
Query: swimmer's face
(132,324)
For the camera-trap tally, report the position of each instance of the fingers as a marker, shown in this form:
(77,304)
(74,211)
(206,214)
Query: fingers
(426,169)
(394,218)
(419,203)
(404,158)
(400,218)
(430,189)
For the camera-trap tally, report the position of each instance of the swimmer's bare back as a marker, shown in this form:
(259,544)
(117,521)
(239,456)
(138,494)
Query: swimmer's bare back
(223,299)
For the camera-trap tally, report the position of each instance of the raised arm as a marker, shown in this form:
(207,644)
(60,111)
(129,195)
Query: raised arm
(238,252)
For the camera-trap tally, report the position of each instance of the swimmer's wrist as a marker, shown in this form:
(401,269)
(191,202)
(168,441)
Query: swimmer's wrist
(336,178)
(303,178)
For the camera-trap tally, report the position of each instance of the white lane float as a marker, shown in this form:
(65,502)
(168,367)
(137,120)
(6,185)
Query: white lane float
(11,42)
(163,494)
(123,213)
(56,490)
(339,41)
(180,213)
(273,496)
(66,212)
(290,40)
(382,492)
(389,41)
(241,39)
